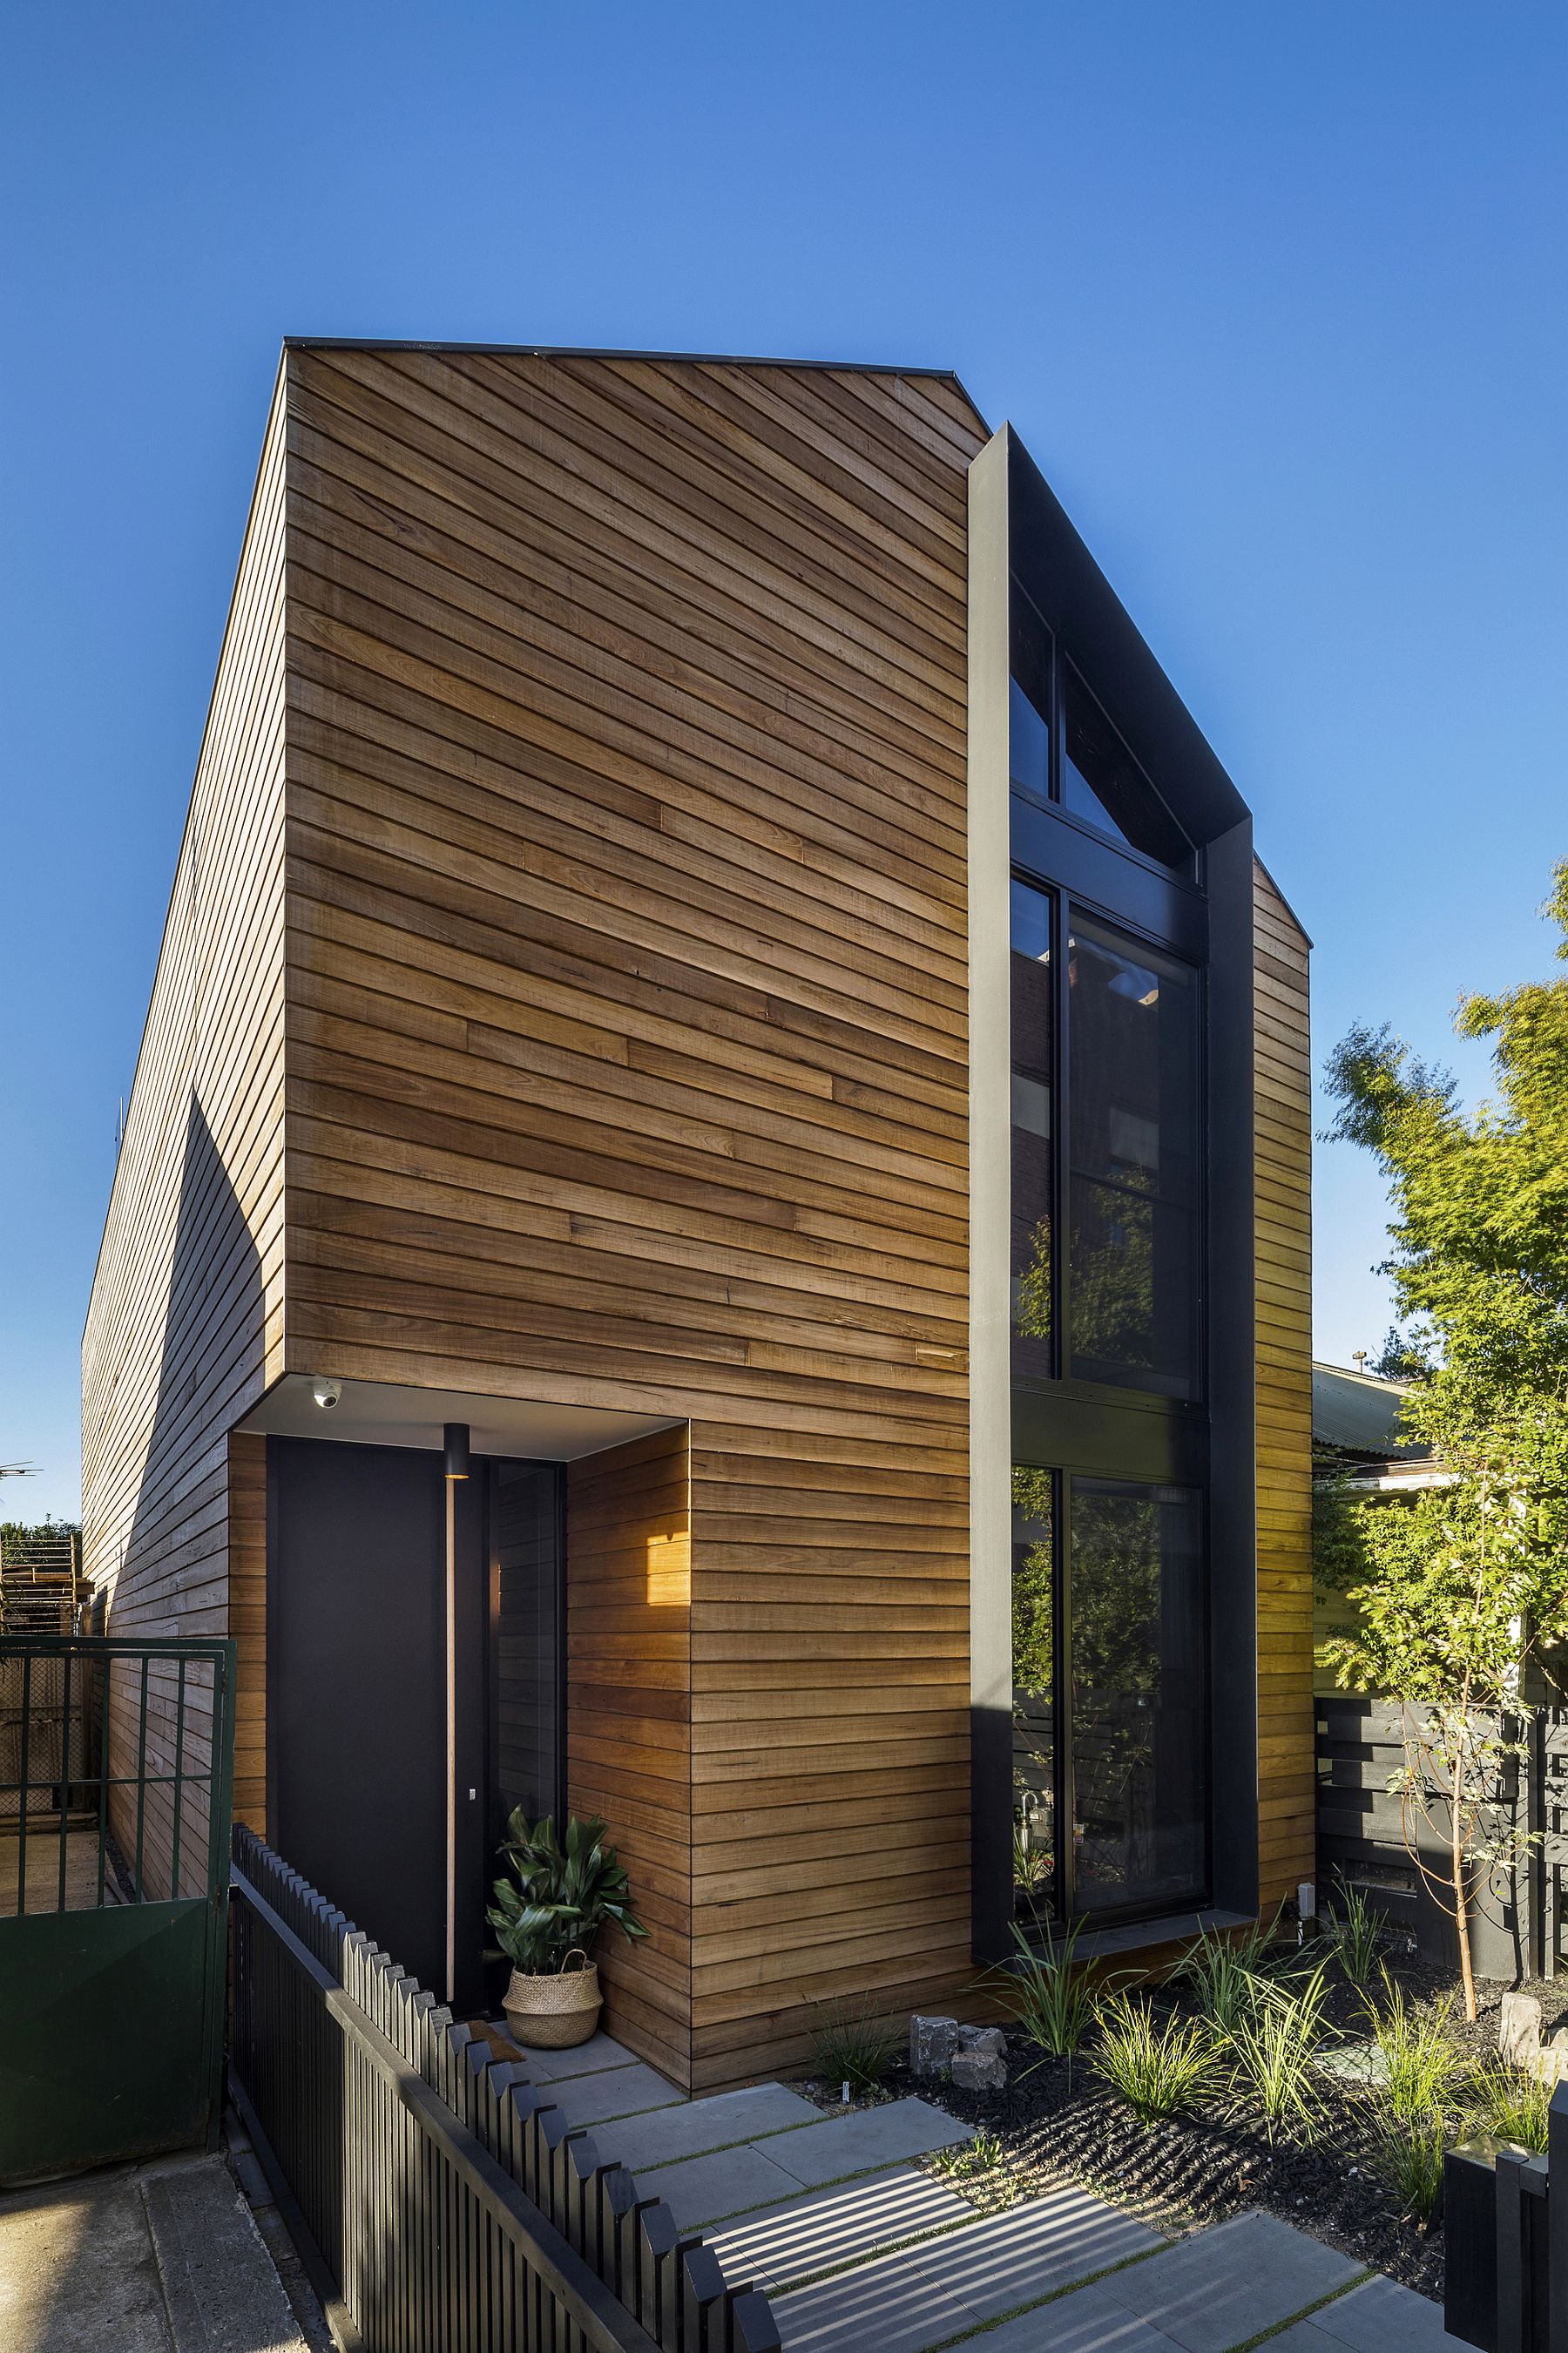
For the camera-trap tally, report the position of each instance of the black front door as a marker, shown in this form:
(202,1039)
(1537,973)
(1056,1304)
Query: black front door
(356,1694)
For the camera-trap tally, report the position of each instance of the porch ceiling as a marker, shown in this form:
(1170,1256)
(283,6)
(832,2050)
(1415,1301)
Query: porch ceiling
(381,1413)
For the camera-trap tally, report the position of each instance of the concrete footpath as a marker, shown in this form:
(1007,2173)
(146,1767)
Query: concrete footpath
(159,2258)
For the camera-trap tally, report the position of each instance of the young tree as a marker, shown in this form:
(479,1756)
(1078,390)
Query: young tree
(1464,1581)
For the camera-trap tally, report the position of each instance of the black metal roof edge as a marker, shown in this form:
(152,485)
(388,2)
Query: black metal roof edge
(1099,631)
(611,352)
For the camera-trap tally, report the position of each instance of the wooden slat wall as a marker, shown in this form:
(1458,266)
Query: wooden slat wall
(184,1328)
(1283,1129)
(626,1043)
(628,1718)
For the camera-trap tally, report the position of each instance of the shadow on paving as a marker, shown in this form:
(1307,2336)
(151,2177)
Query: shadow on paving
(162,2258)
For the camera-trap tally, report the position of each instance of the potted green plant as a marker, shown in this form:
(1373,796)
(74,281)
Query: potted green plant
(547,1915)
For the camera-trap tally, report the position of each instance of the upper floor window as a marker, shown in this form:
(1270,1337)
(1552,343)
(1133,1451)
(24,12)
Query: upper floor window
(1133,1137)
(1064,750)
(1102,782)
(1033,1017)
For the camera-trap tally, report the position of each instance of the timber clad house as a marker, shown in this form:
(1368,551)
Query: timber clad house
(709,967)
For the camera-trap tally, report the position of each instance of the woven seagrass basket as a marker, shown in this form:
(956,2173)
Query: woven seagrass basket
(553,2011)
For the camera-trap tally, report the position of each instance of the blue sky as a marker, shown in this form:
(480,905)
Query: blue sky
(1275,295)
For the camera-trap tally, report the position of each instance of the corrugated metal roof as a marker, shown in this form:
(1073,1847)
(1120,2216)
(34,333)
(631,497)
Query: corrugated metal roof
(1359,1413)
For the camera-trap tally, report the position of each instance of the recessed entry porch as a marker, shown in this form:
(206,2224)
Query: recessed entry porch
(362,1745)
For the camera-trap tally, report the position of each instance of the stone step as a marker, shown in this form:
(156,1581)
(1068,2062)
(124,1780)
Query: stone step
(724,2120)
(1223,2286)
(804,2150)
(968,2278)
(782,2246)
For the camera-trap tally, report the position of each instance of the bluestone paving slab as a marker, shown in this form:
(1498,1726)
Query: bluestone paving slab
(612,2092)
(787,2245)
(666,2135)
(554,2066)
(1032,2249)
(863,2138)
(1379,2317)
(891,2306)
(1220,2288)
(998,2262)
(1087,2321)
(703,2189)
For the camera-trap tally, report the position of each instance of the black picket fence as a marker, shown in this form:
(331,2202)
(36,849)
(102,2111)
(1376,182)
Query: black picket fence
(1505,2233)
(441,2201)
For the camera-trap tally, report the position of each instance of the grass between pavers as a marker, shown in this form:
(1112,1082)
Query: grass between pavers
(891,2247)
(756,2140)
(1277,2329)
(1057,2295)
(1307,2311)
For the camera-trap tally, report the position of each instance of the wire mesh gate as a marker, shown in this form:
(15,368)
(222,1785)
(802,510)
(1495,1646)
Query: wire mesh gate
(116,1777)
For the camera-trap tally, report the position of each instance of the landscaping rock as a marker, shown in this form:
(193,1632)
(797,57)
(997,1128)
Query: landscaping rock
(987,2038)
(1518,2031)
(979,2071)
(932,2041)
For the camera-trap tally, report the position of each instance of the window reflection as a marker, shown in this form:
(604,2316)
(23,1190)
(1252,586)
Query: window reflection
(1140,1737)
(1029,702)
(1102,782)
(1133,1016)
(1032,1016)
(1033,1686)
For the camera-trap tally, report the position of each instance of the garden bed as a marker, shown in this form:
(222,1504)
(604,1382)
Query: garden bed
(1063,2119)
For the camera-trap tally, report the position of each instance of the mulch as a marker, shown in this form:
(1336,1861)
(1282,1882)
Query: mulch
(1061,2119)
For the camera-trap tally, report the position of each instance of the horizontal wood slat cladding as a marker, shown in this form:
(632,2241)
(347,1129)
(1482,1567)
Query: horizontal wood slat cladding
(627,1067)
(184,1326)
(1286,1774)
(628,1711)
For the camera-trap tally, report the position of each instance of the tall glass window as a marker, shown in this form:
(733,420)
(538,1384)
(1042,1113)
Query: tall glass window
(1139,1639)
(1102,782)
(1033,1052)
(1132,1035)
(1029,702)
(1034,1888)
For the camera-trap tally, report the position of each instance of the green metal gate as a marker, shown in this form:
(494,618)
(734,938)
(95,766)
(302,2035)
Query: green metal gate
(116,1783)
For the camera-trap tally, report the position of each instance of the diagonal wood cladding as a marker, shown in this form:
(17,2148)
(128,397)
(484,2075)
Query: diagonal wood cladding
(627,1065)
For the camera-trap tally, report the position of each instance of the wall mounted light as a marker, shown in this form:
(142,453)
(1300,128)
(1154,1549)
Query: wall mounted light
(455,1438)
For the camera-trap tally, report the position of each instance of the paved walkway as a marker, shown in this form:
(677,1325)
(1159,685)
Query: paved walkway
(162,2258)
(858,2247)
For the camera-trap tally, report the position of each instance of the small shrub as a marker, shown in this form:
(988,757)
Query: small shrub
(1510,2104)
(967,2158)
(979,2167)
(1051,2001)
(1419,2053)
(1410,2159)
(854,2045)
(1160,2069)
(1226,1980)
(1357,1932)
(1274,2046)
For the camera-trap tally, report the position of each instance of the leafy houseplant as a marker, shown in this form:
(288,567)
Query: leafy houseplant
(549,1912)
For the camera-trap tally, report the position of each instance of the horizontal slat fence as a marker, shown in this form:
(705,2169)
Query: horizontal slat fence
(1364,1833)
(449,2206)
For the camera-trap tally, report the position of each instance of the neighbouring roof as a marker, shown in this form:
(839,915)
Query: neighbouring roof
(1358,1414)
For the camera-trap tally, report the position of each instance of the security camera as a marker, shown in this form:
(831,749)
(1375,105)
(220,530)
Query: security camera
(326,1393)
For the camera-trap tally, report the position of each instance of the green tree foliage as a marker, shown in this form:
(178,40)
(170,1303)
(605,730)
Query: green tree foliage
(1464,1579)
